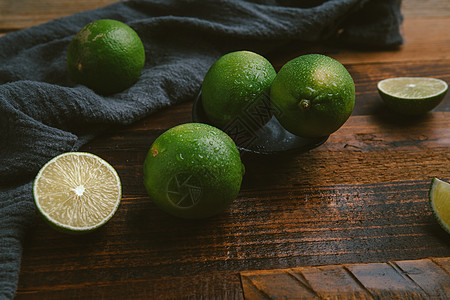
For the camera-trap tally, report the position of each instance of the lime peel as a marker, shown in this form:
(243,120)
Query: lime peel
(77,192)
(439,199)
(106,55)
(196,173)
(315,95)
(412,95)
(236,88)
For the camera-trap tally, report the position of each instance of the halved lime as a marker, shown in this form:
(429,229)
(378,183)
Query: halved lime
(77,192)
(412,95)
(439,196)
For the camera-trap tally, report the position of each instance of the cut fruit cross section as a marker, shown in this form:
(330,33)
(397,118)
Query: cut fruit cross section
(77,192)
(439,197)
(412,95)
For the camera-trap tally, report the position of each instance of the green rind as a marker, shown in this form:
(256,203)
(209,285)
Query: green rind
(69,229)
(234,85)
(410,107)
(106,56)
(203,152)
(434,183)
(413,106)
(321,81)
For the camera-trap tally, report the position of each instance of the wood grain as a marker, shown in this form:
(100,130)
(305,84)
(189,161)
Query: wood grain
(423,41)
(429,8)
(429,274)
(359,198)
(20,14)
(335,203)
(412,279)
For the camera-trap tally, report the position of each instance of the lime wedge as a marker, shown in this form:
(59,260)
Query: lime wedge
(412,95)
(439,196)
(77,192)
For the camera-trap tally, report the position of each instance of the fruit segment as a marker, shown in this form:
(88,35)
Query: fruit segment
(77,191)
(439,196)
(412,95)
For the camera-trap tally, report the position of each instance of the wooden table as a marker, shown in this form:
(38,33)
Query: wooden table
(359,198)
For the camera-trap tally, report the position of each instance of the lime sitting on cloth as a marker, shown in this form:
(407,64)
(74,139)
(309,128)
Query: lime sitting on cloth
(106,56)
(62,116)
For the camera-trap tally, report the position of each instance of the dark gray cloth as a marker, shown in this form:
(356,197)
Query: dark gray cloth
(43,113)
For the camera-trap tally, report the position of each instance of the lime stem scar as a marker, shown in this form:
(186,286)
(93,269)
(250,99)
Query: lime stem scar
(304,104)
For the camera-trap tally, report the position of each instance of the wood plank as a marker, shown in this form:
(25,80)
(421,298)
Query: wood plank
(368,101)
(425,39)
(359,198)
(383,281)
(351,281)
(229,288)
(423,35)
(366,77)
(332,282)
(431,8)
(20,14)
(443,262)
(366,149)
(277,284)
(431,277)
(315,208)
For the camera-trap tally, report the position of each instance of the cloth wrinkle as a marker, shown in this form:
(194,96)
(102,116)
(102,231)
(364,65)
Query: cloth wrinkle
(43,113)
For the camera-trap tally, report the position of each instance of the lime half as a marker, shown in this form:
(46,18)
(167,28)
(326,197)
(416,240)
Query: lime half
(412,95)
(77,192)
(439,196)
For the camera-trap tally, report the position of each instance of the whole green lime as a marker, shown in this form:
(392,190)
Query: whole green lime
(106,56)
(193,171)
(314,95)
(236,88)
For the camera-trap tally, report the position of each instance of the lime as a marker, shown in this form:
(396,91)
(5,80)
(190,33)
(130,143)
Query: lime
(77,192)
(193,171)
(439,196)
(106,56)
(412,95)
(314,95)
(236,89)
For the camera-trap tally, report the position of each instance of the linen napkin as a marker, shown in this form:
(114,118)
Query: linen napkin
(43,113)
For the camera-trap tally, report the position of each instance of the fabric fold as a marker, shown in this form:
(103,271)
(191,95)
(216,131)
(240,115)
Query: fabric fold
(43,113)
